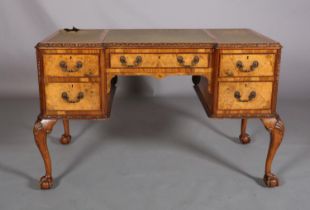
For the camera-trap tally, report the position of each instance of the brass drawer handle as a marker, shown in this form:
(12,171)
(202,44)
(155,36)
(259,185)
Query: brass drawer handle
(240,66)
(64,66)
(136,63)
(194,62)
(251,96)
(65,96)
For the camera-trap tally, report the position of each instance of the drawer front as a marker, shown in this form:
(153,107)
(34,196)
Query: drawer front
(72,96)
(245,65)
(71,65)
(135,60)
(244,95)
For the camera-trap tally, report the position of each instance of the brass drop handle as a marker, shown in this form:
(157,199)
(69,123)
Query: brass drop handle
(251,96)
(194,61)
(253,66)
(78,98)
(64,66)
(136,63)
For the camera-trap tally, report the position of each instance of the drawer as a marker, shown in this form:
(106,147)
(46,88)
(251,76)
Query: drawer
(244,95)
(71,65)
(143,60)
(246,65)
(72,96)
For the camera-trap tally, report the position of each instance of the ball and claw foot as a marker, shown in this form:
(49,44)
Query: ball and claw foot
(46,182)
(271,180)
(245,138)
(65,139)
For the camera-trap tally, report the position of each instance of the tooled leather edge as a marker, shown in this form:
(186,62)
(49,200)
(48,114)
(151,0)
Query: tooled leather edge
(115,45)
(160,45)
(69,45)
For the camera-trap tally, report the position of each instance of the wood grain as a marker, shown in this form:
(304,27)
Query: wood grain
(159,60)
(90,65)
(227,100)
(228,65)
(90,101)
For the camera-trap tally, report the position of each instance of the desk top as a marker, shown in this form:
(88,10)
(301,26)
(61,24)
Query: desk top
(135,37)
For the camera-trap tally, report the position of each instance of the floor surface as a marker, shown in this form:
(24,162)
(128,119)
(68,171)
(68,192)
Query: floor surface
(154,154)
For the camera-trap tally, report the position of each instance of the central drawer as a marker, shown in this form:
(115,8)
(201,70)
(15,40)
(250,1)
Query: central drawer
(72,96)
(159,60)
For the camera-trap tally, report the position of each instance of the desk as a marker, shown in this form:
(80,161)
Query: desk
(235,74)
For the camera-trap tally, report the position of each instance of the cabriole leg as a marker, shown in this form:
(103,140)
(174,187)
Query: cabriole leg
(276,128)
(41,128)
(66,137)
(244,137)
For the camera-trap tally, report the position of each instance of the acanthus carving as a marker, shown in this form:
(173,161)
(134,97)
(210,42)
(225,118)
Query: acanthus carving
(274,124)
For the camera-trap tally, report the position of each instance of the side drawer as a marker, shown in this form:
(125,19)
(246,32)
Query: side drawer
(71,65)
(247,65)
(72,96)
(245,95)
(171,60)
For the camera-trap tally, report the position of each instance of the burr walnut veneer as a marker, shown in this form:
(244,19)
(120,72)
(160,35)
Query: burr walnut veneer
(235,74)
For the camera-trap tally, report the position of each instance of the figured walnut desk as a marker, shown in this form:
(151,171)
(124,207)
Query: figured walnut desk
(235,74)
